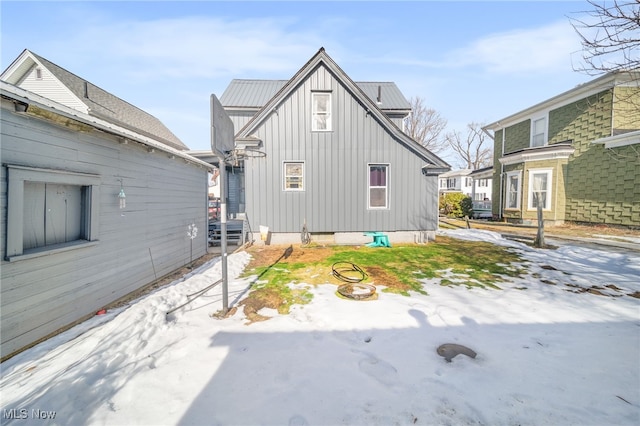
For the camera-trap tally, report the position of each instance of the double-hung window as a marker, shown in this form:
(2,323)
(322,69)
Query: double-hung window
(540,188)
(539,132)
(49,210)
(378,186)
(294,176)
(321,111)
(513,190)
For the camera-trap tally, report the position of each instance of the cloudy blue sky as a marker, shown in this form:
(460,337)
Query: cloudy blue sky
(473,61)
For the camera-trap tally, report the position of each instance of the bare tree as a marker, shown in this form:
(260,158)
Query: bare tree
(474,151)
(611,43)
(611,40)
(425,126)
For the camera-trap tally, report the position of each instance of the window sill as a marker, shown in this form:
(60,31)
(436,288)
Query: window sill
(53,249)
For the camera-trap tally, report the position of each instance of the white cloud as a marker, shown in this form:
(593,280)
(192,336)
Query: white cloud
(544,49)
(198,47)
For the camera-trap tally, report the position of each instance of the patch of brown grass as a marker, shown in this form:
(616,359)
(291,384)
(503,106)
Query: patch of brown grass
(381,276)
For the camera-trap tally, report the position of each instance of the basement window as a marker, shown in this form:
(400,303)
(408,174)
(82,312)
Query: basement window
(49,211)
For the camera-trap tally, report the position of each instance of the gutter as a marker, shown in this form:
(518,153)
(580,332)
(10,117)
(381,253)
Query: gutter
(25,97)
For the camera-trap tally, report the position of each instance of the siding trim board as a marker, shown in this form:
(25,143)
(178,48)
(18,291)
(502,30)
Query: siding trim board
(605,82)
(548,152)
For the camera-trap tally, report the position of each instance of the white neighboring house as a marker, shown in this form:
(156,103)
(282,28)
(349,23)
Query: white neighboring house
(472,183)
(455,181)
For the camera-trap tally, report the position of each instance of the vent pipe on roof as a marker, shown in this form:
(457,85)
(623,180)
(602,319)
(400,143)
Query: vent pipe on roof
(379,100)
(86,90)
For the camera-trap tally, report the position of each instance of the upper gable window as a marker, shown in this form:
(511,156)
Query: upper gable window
(38,73)
(321,111)
(539,132)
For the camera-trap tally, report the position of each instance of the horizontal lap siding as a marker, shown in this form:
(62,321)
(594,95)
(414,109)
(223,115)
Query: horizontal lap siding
(164,195)
(336,169)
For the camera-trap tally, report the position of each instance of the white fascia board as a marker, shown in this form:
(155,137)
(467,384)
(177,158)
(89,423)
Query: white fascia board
(27,97)
(579,92)
(617,141)
(536,155)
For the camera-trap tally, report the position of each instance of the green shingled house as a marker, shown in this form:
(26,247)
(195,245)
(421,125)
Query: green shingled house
(578,151)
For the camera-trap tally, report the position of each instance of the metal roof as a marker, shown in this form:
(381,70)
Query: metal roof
(250,93)
(103,104)
(256,93)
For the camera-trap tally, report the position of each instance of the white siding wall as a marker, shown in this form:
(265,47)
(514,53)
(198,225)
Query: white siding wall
(49,87)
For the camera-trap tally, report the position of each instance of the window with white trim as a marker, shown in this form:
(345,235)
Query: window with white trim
(294,176)
(539,132)
(321,111)
(49,210)
(378,186)
(512,199)
(540,188)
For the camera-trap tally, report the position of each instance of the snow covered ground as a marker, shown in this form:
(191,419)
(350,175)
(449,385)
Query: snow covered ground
(547,354)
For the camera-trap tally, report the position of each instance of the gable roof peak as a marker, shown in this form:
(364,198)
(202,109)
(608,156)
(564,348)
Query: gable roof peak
(98,102)
(304,73)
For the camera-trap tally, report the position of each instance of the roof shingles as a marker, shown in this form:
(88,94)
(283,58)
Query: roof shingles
(109,107)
